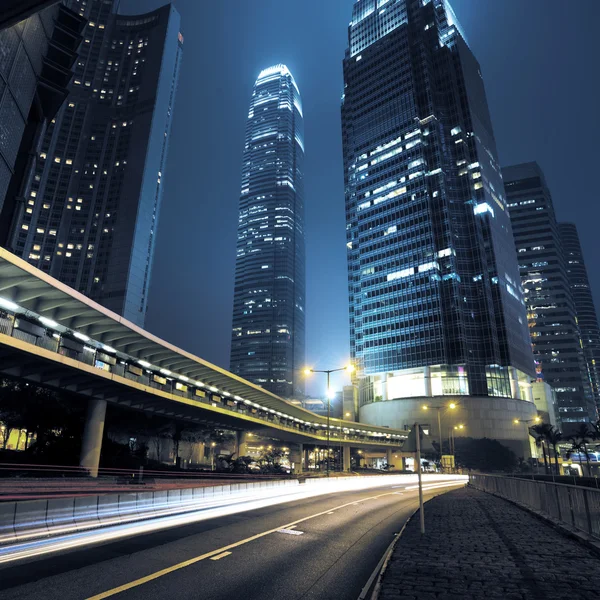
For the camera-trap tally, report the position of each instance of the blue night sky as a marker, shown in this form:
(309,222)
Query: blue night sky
(539,62)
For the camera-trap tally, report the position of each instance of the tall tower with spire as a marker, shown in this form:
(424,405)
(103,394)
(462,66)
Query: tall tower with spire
(267,344)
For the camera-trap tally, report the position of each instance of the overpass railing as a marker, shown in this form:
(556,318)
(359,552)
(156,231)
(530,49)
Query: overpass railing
(577,507)
(81,349)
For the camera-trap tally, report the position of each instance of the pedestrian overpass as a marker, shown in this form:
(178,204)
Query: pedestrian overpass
(54,336)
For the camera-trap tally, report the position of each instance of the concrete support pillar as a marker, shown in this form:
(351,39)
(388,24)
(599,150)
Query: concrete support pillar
(347,463)
(91,444)
(389,457)
(515,392)
(296,456)
(427,380)
(241,443)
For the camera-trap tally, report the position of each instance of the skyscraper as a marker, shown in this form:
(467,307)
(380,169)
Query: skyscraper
(584,304)
(88,210)
(36,62)
(435,302)
(267,344)
(550,307)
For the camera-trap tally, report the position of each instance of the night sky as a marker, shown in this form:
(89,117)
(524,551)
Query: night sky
(539,60)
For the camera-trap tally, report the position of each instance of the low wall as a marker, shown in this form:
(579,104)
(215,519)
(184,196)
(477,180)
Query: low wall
(31,519)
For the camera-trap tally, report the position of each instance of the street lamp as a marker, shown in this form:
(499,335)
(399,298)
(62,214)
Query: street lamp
(308,371)
(452,441)
(212,455)
(451,406)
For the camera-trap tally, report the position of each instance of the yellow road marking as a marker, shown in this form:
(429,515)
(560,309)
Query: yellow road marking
(220,556)
(218,551)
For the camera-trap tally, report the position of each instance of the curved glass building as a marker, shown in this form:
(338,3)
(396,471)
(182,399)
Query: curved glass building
(267,344)
(436,309)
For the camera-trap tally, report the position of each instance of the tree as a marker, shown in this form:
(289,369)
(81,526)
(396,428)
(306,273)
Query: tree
(540,434)
(554,437)
(11,412)
(579,441)
(485,455)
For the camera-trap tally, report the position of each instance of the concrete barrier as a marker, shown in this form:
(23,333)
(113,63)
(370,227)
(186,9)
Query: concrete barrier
(60,513)
(85,512)
(31,519)
(7,522)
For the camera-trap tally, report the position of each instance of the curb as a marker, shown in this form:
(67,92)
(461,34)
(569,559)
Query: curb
(377,574)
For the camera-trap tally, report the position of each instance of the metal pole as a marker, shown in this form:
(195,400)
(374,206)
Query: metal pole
(328,411)
(440,432)
(418,458)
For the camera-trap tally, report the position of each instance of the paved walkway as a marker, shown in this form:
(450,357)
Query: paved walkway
(478,546)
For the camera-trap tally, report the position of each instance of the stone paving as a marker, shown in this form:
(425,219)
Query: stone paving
(479,546)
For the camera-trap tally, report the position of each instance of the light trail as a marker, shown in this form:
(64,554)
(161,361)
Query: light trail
(71,537)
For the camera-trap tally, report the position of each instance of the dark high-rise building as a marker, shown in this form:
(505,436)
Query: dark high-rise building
(15,11)
(267,344)
(435,303)
(584,304)
(36,65)
(88,209)
(551,310)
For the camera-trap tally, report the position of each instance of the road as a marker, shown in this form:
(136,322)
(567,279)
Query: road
(316,548)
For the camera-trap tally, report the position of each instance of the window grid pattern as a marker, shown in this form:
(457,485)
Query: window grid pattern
(432,274)
(267,345)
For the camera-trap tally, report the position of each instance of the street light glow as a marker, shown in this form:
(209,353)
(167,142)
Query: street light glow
(425,407)
(516,421)
(350,368)
(307,371)
(452,405)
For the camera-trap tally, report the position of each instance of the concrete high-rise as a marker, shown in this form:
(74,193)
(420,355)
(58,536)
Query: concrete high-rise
(267,344)
(551,310)
(584,304)
(87,210)
(436,311)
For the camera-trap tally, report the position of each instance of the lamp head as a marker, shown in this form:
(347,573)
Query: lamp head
(350,368)
(452,405)
(307,371)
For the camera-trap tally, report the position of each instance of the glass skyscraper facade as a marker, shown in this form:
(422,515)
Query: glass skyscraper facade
(584,304)
(267,345)
(36,66)
(435,302)
(88,209)
(551,309)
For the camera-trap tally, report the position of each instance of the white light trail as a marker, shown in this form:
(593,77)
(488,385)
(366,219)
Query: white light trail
(192,511)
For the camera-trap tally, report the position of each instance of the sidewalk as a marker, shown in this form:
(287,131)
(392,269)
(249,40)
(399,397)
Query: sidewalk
(478,546)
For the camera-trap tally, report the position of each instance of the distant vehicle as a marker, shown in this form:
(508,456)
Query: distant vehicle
(254,467)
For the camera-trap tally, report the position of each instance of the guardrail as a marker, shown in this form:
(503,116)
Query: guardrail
(574,506)
(31,519)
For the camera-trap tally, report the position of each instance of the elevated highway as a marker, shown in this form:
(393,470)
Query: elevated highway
(54,336)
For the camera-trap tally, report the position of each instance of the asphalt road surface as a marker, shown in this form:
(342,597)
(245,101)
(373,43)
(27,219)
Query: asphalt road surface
(317,548)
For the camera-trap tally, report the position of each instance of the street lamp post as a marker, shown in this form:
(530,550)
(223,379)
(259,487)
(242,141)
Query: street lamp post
(348,368)
(452,406)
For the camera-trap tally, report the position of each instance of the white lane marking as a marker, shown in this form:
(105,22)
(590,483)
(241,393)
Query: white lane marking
(220,556)
(330,513)
(290,531)
(397,486)
(398,494)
